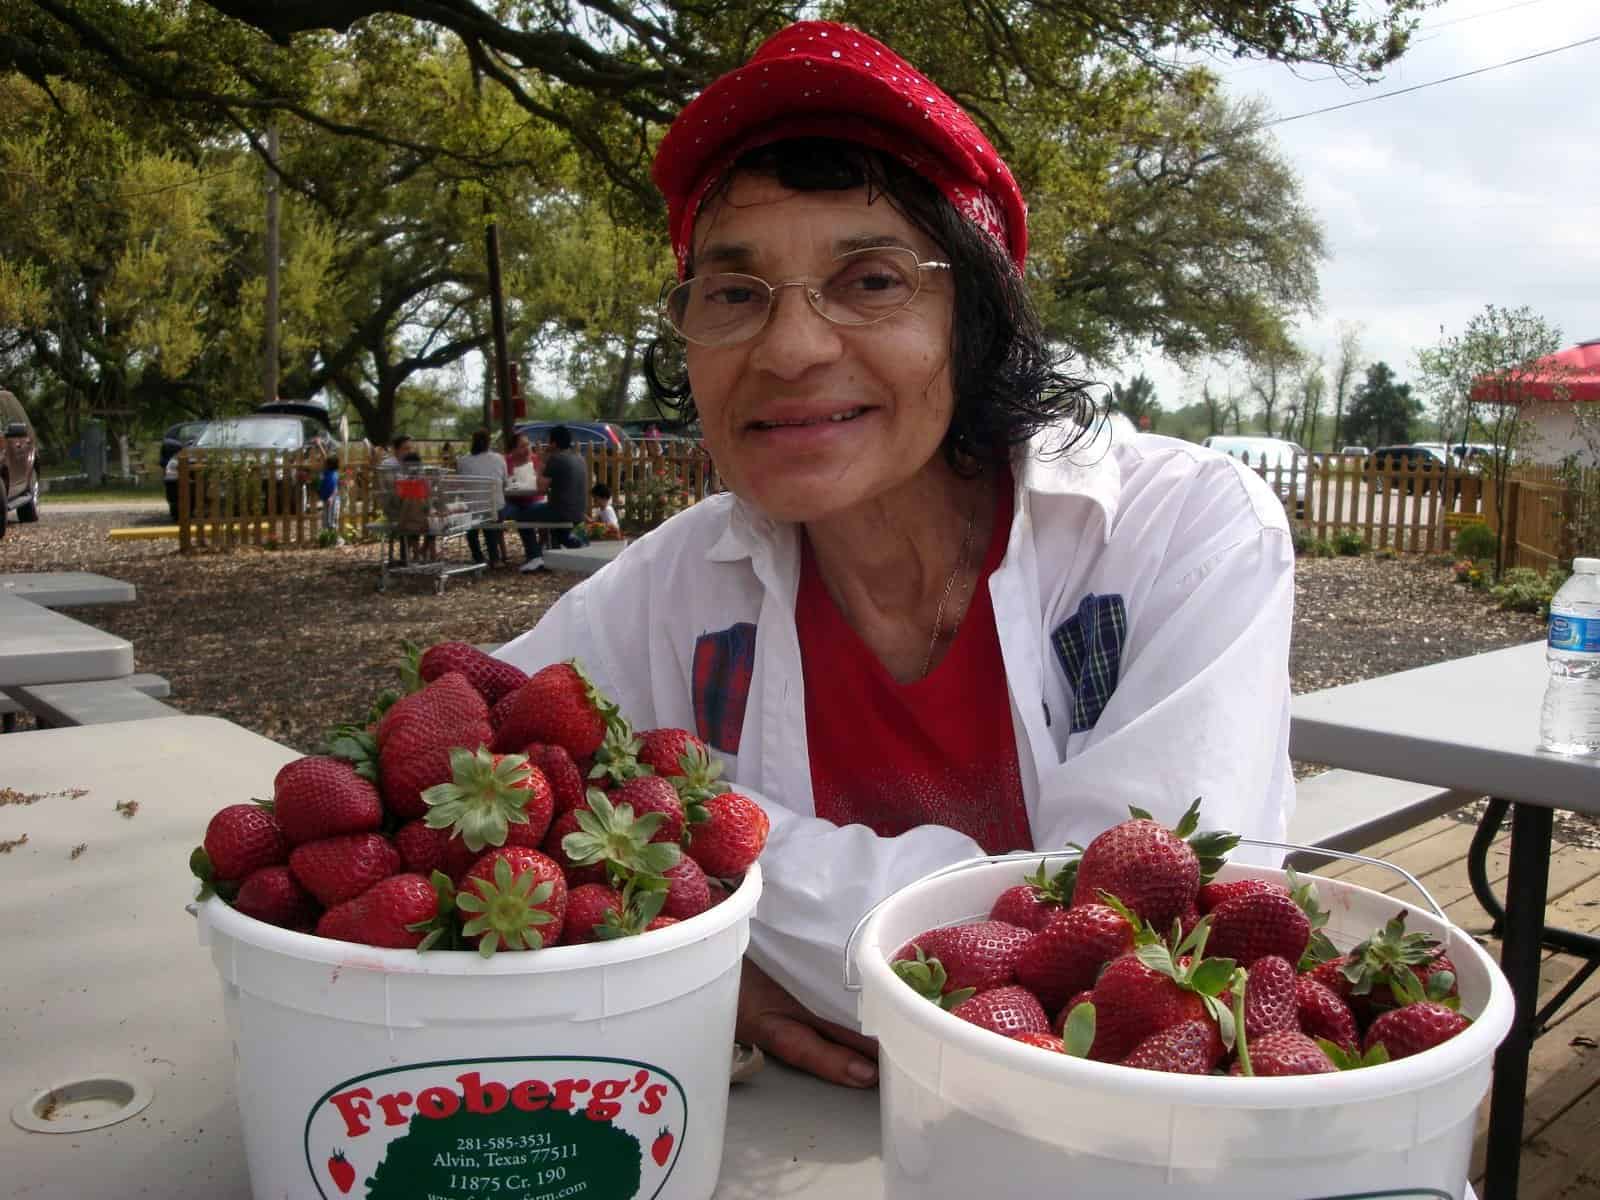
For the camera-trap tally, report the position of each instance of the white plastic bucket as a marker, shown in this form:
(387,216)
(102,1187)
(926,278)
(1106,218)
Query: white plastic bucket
(598,1070)
(968,1113)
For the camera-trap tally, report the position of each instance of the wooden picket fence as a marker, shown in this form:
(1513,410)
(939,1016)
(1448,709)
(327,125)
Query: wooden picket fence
(1550,515)
(267,499)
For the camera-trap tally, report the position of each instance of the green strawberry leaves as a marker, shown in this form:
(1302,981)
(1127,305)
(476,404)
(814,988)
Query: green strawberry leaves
(699,782)
(1212,849)
(1320,949)
(441,931)
(618,755)
(1388,956)
(1349,1060)
(1057,887)
(1206,977)
(505,910)
(642,898)
(613,835)
(200,867)
(483,798)
(357,746)
(1078,1032)
(927,977)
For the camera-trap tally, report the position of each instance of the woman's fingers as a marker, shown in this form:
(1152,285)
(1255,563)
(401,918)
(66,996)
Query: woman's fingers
(771,1018)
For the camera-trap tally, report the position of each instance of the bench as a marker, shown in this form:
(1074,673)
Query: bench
(1348,810)
(93,702)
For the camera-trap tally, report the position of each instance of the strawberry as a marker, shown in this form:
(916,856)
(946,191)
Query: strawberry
(566,782)
(651,793)
(563,825)
(718,891)
(587,908)
(1084,997)
(1284,1052)
(1414,1028)
(1270,997)
(416,736)
(490,676)
(491,800)
(731,837)
(341,1172)
(617,759)
(1389,969)
(663,750)
(1258,924)
(241,839)
(340,868)
(320,796)
(611,836)
(688,894)
(660,922)
(1153,870)
(980,956)
(1160,985)
(272,895)
(1033,902)
(1045,1041)
(1188,1047)
(1066,955)
(1214,894)
(558,704)
(395,914)
(1322,1014)
(513,897)
(1004,1010)
(426,850)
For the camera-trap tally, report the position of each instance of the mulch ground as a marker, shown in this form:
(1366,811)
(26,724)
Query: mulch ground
(290,642)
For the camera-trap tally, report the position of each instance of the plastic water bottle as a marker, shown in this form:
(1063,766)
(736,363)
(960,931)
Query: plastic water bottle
(1571,720)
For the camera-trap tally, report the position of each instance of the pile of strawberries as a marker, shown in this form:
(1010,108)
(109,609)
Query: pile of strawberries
(491,809)
(1132,955)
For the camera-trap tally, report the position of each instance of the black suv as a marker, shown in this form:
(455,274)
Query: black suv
(19,463)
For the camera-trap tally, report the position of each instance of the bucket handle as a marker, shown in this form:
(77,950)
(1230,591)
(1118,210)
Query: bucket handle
(853,984)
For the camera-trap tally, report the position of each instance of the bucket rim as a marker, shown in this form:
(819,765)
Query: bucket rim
(216,914)
(1465,1052)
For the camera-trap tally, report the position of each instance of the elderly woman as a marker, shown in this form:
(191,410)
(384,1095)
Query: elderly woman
(930,618)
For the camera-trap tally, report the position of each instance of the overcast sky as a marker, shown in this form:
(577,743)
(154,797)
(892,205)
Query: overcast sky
(1481,190)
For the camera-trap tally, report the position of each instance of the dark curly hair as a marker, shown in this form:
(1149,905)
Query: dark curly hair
(1007,383)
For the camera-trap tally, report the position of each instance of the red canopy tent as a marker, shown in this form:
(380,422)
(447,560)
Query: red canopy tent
(1575,369)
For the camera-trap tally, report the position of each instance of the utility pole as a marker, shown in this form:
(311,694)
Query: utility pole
(269,372)
(497,304)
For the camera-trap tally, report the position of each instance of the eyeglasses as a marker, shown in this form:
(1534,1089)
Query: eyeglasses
(865,287)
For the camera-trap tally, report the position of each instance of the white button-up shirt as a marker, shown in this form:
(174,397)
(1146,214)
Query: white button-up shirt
(1192,548)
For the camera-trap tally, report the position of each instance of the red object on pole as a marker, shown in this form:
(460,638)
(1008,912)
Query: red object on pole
(519,403)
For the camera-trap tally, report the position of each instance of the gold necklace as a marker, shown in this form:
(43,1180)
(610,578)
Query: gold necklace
(949,585)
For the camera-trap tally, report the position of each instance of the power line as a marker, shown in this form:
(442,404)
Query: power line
(1510,62)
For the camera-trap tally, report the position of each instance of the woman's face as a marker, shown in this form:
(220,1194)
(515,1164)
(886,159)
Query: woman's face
(808,419)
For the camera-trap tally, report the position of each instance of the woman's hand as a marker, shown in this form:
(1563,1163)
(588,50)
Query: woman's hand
(771,1018)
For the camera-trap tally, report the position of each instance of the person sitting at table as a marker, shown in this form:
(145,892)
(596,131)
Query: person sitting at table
(565,479)
(484,463)
(399,449)
(931,617)
(603,512)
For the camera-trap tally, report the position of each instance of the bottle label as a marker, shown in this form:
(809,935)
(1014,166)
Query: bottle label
(1578,634)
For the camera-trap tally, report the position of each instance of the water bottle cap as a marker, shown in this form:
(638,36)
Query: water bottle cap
(1586,566)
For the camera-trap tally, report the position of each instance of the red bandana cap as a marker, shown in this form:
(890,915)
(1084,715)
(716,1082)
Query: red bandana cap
(819,79)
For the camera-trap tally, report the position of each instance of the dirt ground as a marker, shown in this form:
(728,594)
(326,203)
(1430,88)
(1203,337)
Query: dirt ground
(288,643)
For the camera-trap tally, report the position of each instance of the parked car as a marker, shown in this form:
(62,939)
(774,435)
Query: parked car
(19,464)
(1281,463)
(1396,467)
(255,432)
(177,437)
(584,433)
(1362,451)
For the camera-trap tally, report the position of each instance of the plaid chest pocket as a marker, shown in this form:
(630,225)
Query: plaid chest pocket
(1088,645)
(723,665)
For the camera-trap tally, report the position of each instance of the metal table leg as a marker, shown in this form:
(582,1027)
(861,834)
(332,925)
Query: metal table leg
(1523,937)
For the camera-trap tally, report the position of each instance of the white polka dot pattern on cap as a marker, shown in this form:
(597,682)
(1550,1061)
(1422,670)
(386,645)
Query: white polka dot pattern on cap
(818,79)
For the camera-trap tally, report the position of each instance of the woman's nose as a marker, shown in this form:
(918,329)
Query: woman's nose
(796,336)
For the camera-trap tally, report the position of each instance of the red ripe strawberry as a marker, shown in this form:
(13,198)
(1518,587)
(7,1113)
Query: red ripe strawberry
(587,907)
(418,733)
(731,837)
(1066,955)
(558,704)
(1258,924)
(1153,870)
(513,897)
(340,868)
(1084,997)
(1133,1001)
(272,895)
(688,894)
(384,914)
(1389,969)
(241,839)
(1284,1052)
(490,676)
(563,825)
(1005,1010)
(660,922)
(653,794)
(1270,997)
(422,849)
(566,782)
(663,750)
(1214,894)
(317,797)
(491,800)
(1045,1041)
(1414,1028)
(981,955)
(497,718)
(1322,1014)
(1026,906)
(1190,1047)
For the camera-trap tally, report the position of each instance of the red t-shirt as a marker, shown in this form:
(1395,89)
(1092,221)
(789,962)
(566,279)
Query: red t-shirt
(938,751)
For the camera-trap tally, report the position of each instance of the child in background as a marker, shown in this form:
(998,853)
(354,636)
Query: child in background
(603,510)
(328,493)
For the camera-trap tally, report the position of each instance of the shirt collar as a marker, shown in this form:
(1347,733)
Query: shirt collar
(1040,466)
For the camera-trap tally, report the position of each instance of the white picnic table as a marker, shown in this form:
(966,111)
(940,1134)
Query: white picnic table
(67,589)
(105,977)
(1473,724)
(39,645)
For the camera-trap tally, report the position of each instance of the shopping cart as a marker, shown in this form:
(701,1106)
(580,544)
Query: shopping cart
(425,509)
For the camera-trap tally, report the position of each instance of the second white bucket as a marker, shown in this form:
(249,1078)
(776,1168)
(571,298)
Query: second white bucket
(966,1112)
(598,1070)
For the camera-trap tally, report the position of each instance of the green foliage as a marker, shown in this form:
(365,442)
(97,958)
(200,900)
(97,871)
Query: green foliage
(1349,543)
(1476,541)
(1524,589)
(1382,409)
(1137,401)
(1307,544)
